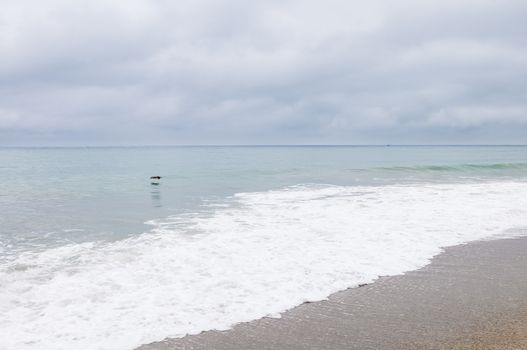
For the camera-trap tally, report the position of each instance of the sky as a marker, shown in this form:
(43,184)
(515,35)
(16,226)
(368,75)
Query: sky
(159,72)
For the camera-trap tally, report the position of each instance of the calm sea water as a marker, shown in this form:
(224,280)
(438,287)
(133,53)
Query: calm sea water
(85,236)
(52,196)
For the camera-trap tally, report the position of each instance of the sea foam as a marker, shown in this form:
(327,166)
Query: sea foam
(261,254)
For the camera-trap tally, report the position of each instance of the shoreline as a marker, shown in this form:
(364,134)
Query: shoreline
(472,296)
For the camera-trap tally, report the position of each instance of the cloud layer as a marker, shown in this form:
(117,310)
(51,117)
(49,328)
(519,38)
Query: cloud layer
(234,72)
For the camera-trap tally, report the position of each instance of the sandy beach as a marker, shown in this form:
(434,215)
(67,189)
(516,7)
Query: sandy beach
(472,296)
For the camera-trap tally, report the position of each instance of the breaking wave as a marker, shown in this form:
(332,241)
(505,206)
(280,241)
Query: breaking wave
(258,254)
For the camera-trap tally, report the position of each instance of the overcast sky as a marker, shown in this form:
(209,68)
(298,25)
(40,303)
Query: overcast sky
(262,72)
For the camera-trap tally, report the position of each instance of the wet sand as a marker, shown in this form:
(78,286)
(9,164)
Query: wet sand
(470,297)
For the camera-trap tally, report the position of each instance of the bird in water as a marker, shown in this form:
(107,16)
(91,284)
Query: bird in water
(154,180)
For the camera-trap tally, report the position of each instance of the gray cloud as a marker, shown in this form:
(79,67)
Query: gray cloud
(150,72)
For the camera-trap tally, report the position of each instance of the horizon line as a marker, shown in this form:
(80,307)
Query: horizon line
(269,145)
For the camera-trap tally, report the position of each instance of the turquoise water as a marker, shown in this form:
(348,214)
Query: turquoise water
(53,196)
(95,256)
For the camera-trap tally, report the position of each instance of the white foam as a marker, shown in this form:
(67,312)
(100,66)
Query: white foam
(264,253)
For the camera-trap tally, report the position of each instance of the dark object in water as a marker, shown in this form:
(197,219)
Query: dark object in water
(363,284)
(155,177)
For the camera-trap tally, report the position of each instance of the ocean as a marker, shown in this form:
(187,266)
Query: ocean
(94,255)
